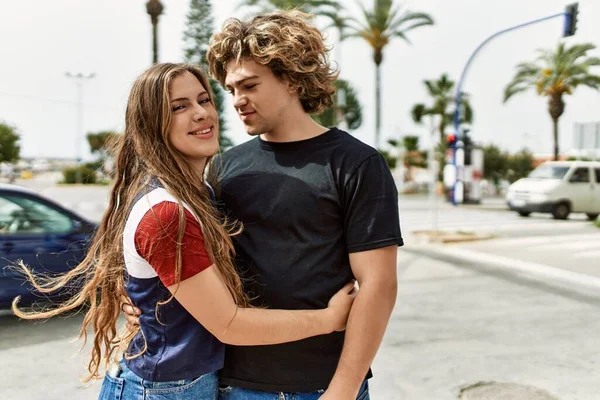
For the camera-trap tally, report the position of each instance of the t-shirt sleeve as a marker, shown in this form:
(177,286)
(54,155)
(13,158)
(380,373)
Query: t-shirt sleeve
(370,202)
(156,242)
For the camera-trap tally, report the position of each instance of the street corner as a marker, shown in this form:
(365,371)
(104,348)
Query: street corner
(424,237)
(500,390)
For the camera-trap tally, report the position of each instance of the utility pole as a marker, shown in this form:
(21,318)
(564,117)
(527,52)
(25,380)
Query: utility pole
(80,79)
(570,26)
(340,108)
(433,173)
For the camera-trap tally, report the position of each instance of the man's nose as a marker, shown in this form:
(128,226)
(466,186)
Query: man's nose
(239,100)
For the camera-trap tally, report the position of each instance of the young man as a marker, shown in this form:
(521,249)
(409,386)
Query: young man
(318,206)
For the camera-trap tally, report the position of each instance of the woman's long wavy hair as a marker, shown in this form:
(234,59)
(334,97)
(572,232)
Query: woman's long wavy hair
(142,152)
(285,42)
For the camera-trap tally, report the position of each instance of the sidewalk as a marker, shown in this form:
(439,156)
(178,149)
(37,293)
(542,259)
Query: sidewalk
(457,325)
(423,201)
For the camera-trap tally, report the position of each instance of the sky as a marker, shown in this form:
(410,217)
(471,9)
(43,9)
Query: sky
(42,40)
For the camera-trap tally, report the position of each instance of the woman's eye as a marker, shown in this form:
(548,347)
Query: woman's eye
(204,101)
(177,108)
(250,86)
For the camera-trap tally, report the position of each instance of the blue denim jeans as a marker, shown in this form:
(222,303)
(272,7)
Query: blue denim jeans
(125,385)
(236,393)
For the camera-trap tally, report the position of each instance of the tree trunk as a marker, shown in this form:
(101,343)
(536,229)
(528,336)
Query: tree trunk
(441,129)
(378,58)
(555,132)
(556,107)
(154,41)
(377,105)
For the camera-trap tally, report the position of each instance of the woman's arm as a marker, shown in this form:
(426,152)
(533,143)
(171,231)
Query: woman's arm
(200,289)
(207,299)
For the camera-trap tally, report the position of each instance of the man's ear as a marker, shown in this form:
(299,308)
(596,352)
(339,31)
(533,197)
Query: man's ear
(292,89)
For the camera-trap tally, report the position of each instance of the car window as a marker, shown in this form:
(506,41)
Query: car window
(581,175)
(19,214)
(597,175)
(546,171)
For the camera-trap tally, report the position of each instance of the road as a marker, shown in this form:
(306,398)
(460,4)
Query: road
(453,325)
(461,317)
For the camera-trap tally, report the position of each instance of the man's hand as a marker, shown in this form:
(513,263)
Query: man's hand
(131,314)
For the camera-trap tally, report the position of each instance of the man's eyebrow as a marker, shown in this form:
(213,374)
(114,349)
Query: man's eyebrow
(237,83)
(186,98)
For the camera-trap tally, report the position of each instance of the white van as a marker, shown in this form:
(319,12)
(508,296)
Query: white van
(559,188)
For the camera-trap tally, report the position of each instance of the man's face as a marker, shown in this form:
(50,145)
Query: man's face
(260,98)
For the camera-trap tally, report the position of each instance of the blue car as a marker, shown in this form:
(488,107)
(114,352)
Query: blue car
(46,236)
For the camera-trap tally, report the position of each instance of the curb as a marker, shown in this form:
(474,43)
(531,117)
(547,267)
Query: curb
(449,237)
(534,271)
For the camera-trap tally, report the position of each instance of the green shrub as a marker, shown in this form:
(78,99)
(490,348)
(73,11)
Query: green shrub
(88,175)
(95,165)
(392,161)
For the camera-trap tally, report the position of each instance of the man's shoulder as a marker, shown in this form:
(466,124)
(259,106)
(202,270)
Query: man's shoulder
(352,150)
(353,144)
(240,149)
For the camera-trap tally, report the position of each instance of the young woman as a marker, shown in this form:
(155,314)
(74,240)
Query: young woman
(163,244)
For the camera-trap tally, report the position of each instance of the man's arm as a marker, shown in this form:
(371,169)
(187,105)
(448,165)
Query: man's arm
(375,271)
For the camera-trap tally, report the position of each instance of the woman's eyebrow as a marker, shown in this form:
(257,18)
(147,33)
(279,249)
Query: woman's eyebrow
(187,98)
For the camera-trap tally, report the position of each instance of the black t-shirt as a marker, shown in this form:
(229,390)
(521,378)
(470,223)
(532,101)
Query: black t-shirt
(305,206)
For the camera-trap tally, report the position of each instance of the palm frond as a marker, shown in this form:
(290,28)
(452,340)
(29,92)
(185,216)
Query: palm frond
(467,111)
(418,112)
(402,35)
(592,61)
(578,50)
(510,91)
(592,81)
(432,88)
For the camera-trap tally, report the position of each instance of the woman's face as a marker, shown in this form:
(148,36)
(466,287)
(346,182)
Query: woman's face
(194,128)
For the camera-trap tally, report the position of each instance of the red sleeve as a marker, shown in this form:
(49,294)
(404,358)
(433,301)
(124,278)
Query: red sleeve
(156,242)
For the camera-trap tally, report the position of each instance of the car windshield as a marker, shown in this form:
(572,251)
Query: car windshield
(549,172)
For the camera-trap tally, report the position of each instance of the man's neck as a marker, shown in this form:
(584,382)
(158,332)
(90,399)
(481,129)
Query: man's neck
(300,127)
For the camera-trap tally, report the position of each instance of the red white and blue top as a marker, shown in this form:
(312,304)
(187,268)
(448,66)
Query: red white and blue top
(176,345)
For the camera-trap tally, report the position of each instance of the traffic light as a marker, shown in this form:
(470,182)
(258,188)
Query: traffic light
(571,12)
(450,140)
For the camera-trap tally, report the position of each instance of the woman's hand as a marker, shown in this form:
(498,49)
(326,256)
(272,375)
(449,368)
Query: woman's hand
(339,306)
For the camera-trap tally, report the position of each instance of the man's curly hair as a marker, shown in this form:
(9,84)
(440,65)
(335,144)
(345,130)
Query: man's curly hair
(285,42)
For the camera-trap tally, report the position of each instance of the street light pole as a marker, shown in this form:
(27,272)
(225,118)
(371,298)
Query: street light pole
(154,9)
(79,81)
(457,114)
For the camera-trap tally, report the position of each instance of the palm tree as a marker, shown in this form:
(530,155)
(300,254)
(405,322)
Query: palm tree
(378,27)
(316,7)
(554,74)
(154,9)
(444,101)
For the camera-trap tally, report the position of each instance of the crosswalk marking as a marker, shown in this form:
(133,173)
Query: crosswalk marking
(588,254)
(593,239)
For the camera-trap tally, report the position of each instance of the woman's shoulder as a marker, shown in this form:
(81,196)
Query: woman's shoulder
(154,205)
